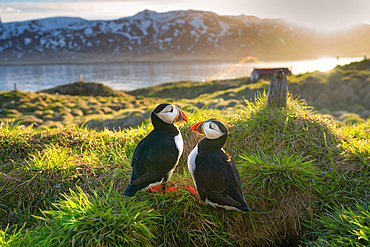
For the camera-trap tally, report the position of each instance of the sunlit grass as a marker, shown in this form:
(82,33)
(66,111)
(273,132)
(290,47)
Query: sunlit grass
(96,219)
(345,227)
(278,172)
(16,237)
(52,158)
(358,150)
(103,219)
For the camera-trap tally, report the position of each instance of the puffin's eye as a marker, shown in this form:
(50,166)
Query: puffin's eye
(210,126)
(171,110)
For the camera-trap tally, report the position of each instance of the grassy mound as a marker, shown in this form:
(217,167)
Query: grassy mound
(83,88)
(64,186)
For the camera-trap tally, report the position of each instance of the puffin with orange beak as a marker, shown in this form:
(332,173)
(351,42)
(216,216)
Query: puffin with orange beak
(156,156)
(215,175)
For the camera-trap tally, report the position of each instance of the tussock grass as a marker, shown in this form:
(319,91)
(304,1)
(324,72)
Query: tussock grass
(92,219)
(66,184)
(104,219)
(345,227)
(278,173)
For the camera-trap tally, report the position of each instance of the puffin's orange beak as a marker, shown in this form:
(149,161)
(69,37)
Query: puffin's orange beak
(180,116)
(198,128)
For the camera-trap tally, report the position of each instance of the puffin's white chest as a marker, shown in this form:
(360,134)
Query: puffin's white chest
(179,144)
(191,161)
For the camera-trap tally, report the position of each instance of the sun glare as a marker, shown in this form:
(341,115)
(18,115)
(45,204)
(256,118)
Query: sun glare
(242,68)
(323,64)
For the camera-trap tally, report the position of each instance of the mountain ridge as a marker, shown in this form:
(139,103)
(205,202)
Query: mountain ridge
(174,35)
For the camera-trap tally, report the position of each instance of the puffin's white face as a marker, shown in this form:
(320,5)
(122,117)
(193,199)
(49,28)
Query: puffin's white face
(168,114)
(211,130)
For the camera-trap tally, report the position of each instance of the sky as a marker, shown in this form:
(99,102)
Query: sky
(319,14)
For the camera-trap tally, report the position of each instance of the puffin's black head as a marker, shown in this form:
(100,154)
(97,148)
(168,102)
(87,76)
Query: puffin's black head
(167,113)
(211,128)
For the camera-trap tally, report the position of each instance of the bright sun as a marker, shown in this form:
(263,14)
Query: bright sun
(323,64)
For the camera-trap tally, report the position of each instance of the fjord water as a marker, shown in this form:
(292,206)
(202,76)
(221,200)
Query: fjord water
(130,76)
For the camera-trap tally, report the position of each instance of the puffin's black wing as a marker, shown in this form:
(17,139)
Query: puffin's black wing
(235,172)
(218,180)
(153,158)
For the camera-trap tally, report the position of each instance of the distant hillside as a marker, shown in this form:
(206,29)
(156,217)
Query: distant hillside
(175,35)
(343,90)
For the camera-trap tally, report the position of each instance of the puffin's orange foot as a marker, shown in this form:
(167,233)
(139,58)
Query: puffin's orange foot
(192,190)
(158,188)
(170,189)
(155,189)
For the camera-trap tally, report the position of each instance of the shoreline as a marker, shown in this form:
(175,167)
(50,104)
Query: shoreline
(175,59)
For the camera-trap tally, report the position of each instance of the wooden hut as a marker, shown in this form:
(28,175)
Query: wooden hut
(266,73)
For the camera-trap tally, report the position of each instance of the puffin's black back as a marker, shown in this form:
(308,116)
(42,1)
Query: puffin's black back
(216,175)
(154,156)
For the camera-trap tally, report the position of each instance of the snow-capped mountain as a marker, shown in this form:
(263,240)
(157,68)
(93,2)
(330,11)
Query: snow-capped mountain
(149,34)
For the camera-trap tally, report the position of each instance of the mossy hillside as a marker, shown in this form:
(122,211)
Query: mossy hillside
(94,112)
(42,109)
(187,89)
(296,168)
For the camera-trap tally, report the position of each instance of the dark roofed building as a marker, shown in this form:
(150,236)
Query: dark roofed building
(267,73)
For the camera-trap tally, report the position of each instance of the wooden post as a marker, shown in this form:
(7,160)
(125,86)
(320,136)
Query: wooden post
(278,90)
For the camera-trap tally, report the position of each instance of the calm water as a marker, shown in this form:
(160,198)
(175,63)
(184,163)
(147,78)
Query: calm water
(129,76)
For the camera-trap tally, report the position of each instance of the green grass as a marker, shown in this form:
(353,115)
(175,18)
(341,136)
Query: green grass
(66,184)
(279,172)
(345,227)
(91,219)
(104,219)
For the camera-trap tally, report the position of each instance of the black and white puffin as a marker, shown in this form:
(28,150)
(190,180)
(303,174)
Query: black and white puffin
(216,178)
(156,156)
